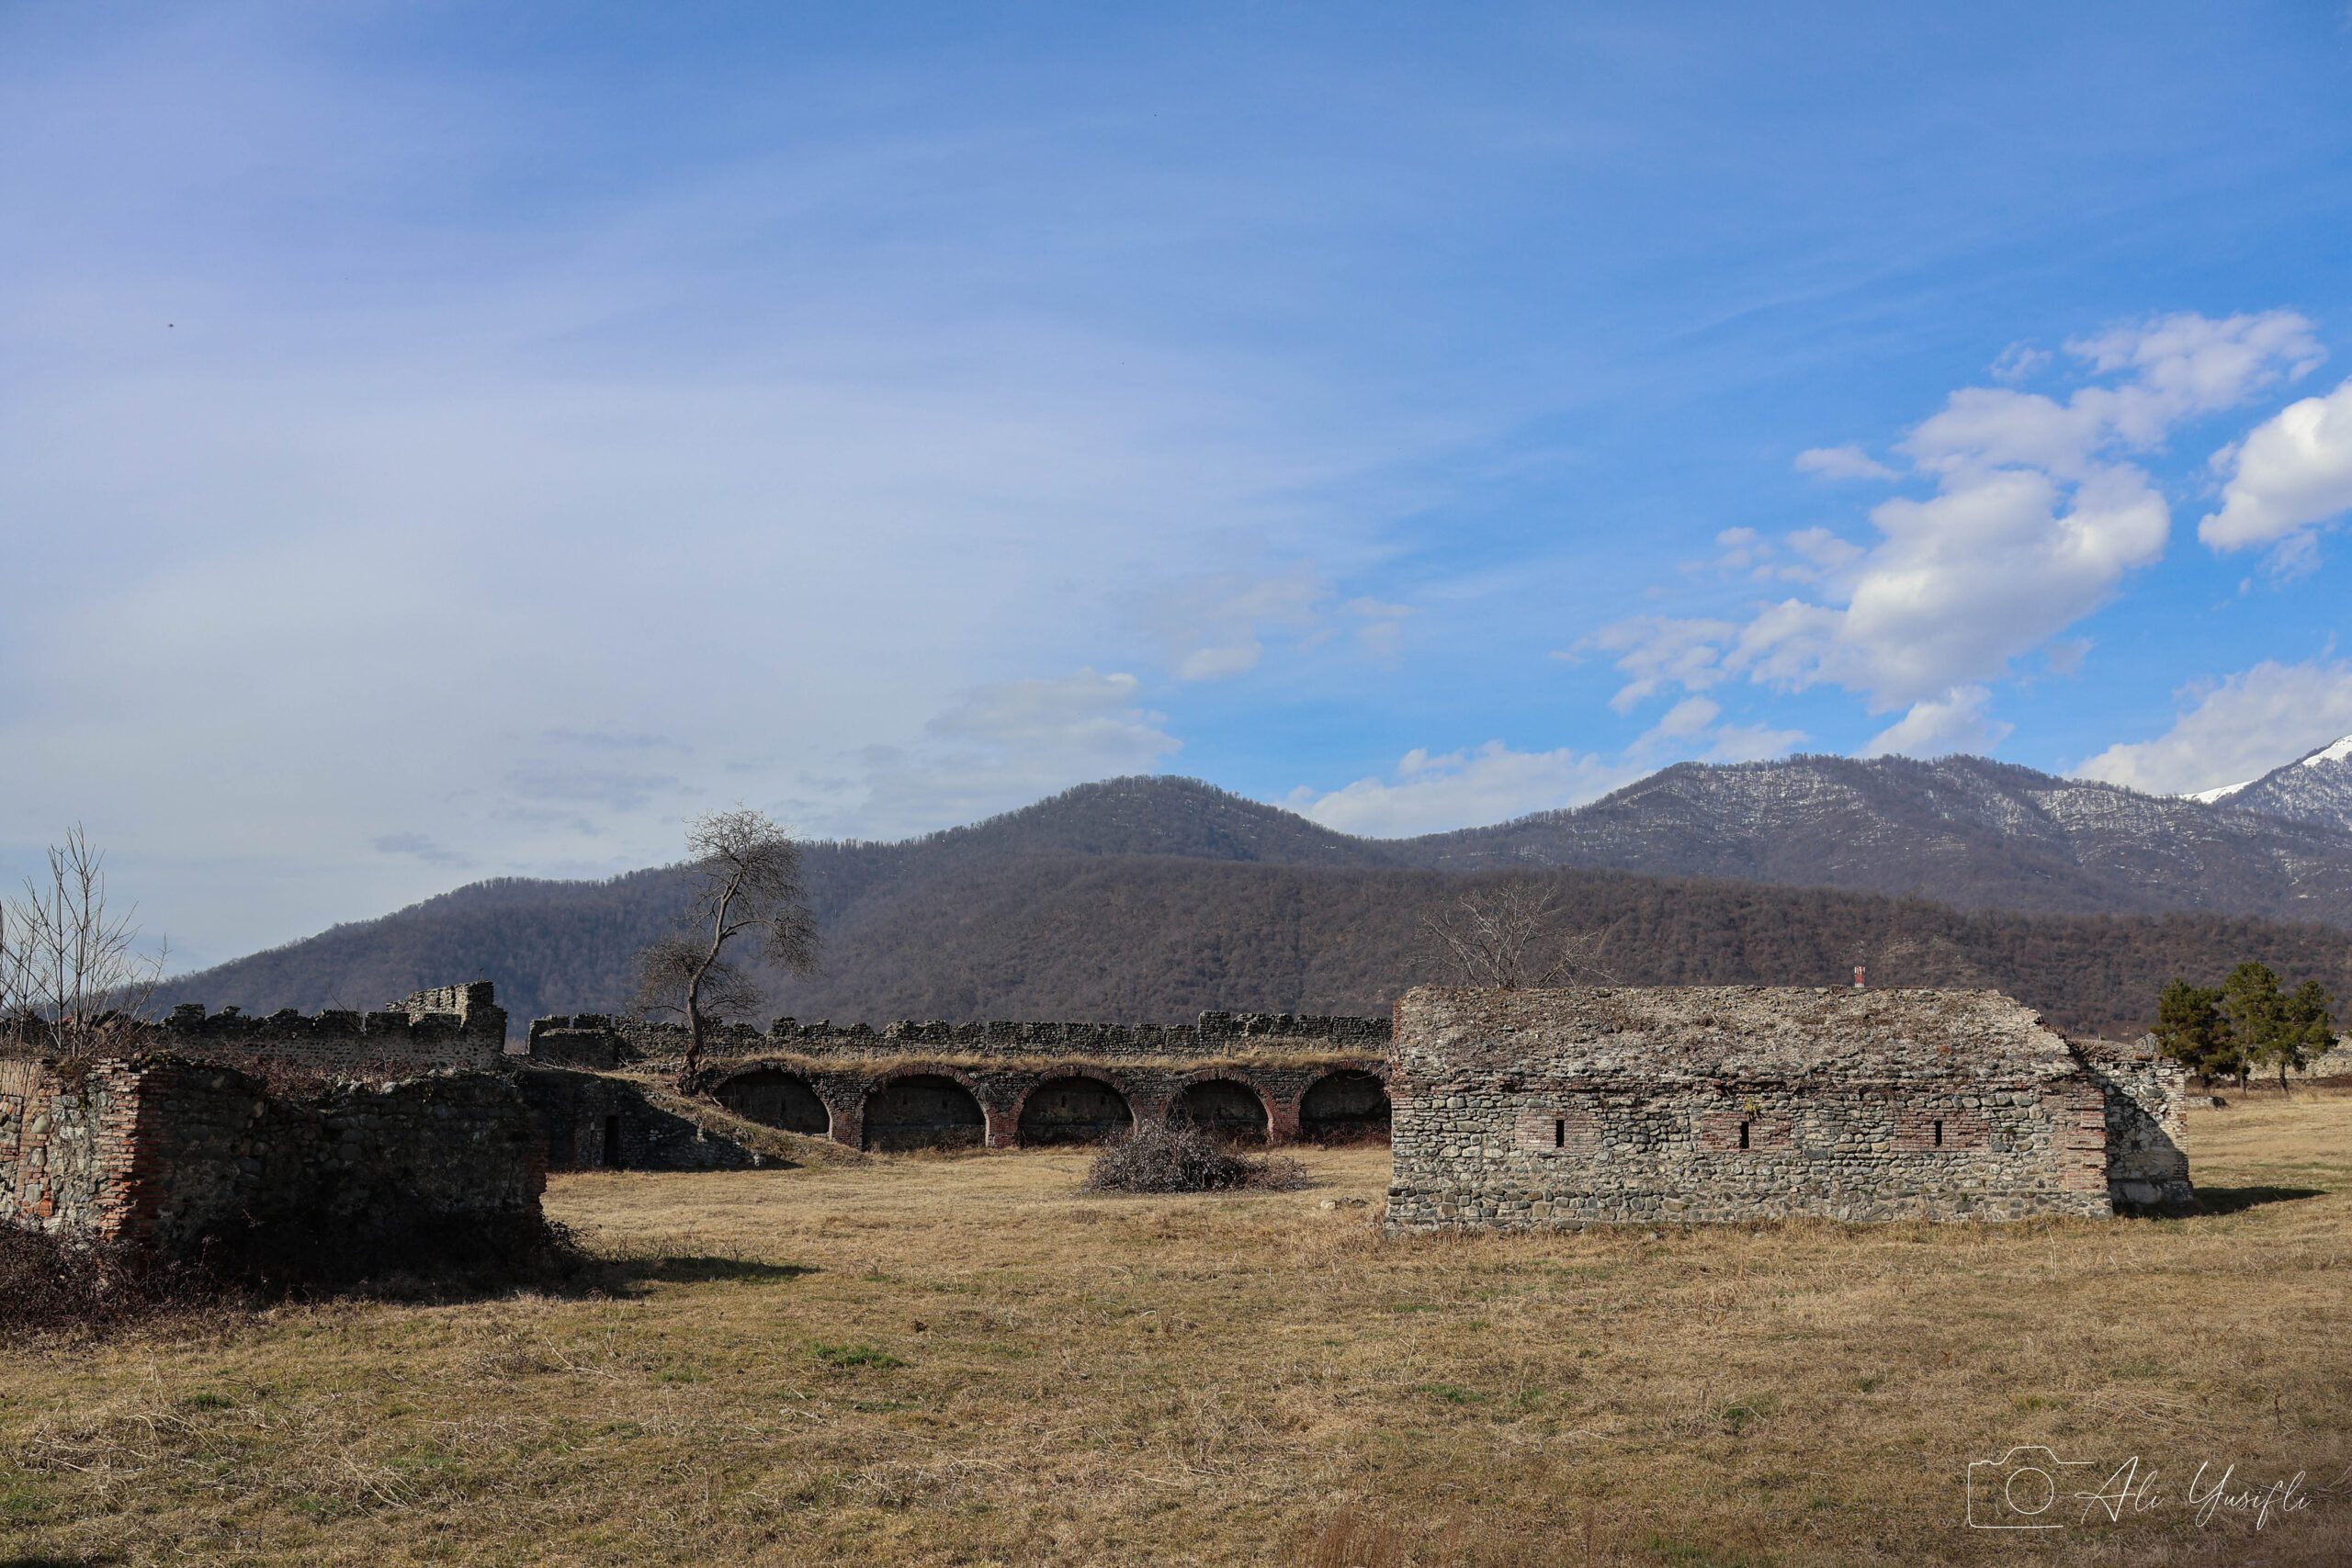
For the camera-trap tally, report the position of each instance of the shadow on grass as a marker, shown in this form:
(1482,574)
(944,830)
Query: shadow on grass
(701,1270)
(2237,1200)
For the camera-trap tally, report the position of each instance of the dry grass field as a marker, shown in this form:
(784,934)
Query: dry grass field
(965,1360)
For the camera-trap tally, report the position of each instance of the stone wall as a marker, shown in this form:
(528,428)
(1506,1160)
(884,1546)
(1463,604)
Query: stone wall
(167,1153)
(1568,1107)
(590,1122)
(2147,1160)
(451,1028)
(602,1040)
(1272,1078)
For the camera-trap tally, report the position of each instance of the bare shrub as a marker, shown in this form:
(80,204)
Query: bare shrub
(1509,934)
(72,982)
(68,1284)
(65,1284)
(1180,1157)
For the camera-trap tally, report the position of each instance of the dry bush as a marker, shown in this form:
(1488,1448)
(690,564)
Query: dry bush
(63,1284)
(52,1284)
(1180,1156)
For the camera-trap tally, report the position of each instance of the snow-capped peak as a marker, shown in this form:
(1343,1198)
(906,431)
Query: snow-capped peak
(2339,752)
(2210,795)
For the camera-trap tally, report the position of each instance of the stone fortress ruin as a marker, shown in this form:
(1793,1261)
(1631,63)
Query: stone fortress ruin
(1509,1107)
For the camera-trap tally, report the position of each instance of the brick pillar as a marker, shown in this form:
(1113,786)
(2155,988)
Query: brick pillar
(848,1120)
(1004,1127)
(1281,1115)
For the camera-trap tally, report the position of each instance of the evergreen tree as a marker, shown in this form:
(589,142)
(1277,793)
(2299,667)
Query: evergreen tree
(2192,1031)
(2256,1010)
(2307,1028)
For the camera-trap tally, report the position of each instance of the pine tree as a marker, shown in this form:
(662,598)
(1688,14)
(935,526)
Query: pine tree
(2191,1030)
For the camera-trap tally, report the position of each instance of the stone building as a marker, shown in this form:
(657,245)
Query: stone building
(1551,1108)
(1266,1078)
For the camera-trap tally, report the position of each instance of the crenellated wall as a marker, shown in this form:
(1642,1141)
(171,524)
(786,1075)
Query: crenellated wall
(604,1040)
(450,1028)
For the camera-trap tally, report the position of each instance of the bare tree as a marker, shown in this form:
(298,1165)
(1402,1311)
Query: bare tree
(1509,934)
(72,980)
(745,877)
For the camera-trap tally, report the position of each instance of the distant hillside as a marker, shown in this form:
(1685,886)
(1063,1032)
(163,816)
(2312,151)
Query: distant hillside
(1961,831)
(2312,788)
(1149,899)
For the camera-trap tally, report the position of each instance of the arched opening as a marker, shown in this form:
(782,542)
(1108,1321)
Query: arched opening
(776,1098)
(1074,1110)
(1228,1109)
(1345,1108)
(928,1110)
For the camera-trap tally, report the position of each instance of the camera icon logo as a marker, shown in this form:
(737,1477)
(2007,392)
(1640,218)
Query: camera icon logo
(2020,1490)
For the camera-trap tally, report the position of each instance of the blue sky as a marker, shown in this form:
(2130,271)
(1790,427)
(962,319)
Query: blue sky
(442,442)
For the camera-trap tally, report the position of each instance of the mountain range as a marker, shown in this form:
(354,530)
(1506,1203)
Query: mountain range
(1147,899)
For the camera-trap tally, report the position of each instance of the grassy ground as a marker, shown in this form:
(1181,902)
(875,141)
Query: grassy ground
(965,1361)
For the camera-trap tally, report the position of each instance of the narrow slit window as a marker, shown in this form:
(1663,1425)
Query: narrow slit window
(1939,1134)
(1743,1135)
(1560,1134)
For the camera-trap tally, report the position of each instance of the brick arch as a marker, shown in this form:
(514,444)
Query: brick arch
(1268,1122)
(990,1121)
(1066,1073)
(1334,1108)
(784,1107)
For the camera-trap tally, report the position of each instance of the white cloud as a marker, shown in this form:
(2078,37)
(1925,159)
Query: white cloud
(2018,362)
(2035,522)
(1846,462)
(1494,784)
(1003,746)
(2237,728)
(2292,472)
(1459,789)
(1954,722)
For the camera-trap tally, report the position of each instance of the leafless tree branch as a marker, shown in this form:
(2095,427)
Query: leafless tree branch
(72,981)
(1509,934)
(745,882)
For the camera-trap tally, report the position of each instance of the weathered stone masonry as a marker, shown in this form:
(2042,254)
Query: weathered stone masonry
(1565,1107)
(1274,1077)
(166,1153)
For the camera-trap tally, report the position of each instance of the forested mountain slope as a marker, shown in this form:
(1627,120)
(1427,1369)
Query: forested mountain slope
(1962,831)
(1148,900)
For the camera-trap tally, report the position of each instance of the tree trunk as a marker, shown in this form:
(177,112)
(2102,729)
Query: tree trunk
(693,1062)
